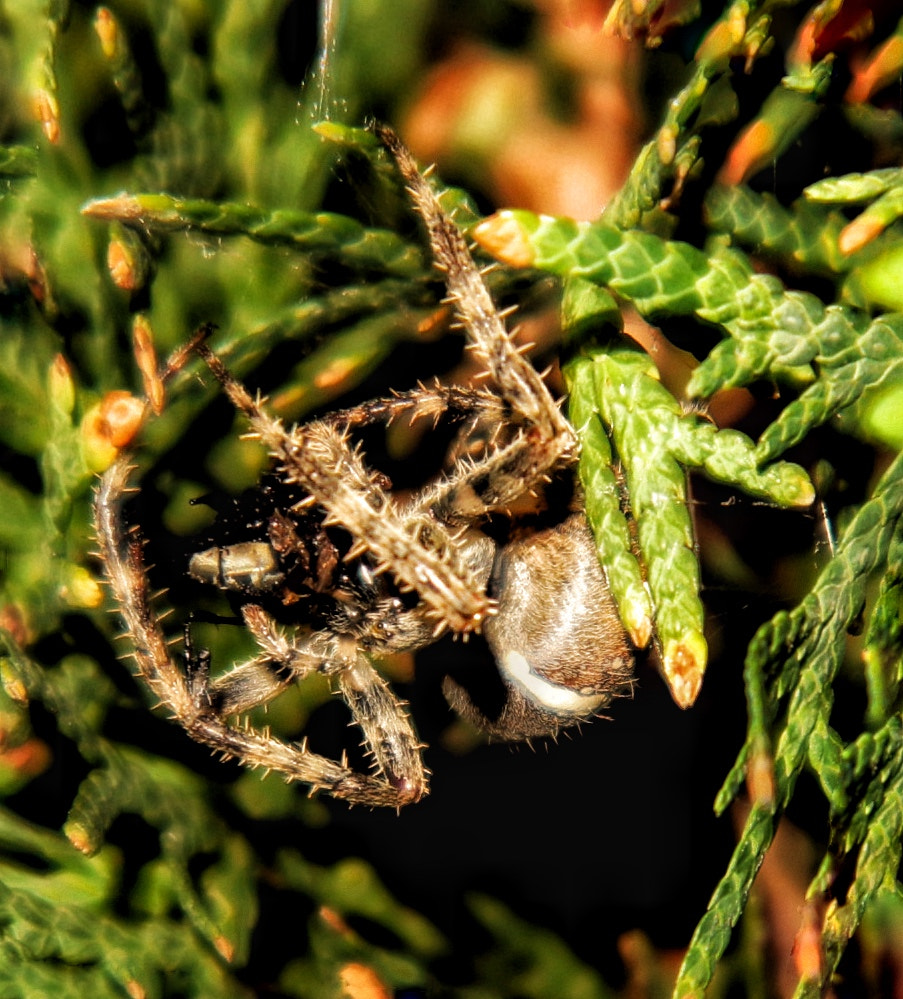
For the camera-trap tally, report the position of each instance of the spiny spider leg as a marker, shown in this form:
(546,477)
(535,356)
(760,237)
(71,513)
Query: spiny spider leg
(479,484)
(191,698)
(519,384)
(419,550)
(380,716)
(259,680)
(454,401)
(120,551)
(400,777)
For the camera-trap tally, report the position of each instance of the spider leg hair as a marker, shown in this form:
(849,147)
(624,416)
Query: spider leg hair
(386,727)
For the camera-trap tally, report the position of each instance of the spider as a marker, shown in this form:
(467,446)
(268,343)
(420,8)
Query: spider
(412,569)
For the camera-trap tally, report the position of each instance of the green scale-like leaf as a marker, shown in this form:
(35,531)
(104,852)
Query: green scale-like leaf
(802,651)
(603,508)
(675,148)
(859,369)
(773,333)
(655,442)
(325,234)
(870,763)
(804,236)
(169,798)
(852,188)
(883,652)
(876,869)
(63,950)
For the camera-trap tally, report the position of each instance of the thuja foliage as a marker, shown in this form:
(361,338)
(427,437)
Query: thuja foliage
(163,166)
(833,360)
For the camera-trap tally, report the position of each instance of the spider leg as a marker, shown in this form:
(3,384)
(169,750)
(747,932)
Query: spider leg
(544,439)
(455,401)
(191,697)
(401,779)
(387,730)
(489,482)
(258,681)
(120,551)
(418,549)
(520,385)
(381,717)
(486,482)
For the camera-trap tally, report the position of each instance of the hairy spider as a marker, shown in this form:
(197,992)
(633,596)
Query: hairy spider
(412,569)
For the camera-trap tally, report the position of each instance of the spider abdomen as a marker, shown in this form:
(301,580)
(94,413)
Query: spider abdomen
(557,640)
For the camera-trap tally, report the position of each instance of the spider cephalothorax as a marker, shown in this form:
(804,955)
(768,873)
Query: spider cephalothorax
(411,569)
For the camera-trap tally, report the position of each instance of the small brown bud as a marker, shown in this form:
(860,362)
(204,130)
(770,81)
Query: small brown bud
(107,31)
(46,110)
(110,425)
(361,982)
(121,414)
(146,359)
